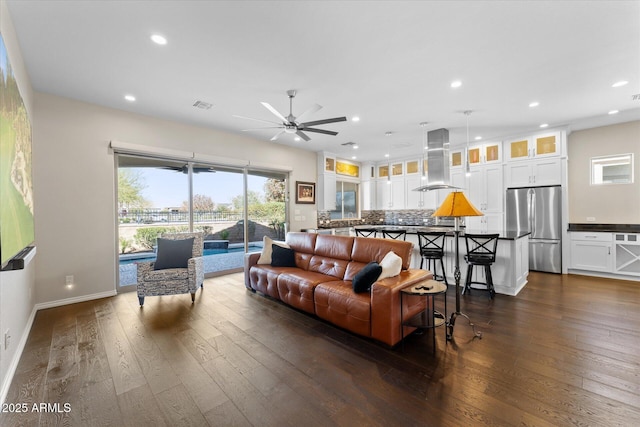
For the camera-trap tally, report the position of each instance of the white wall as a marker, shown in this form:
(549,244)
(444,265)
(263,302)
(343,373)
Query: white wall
(74,176)
(608,204)
(16,287)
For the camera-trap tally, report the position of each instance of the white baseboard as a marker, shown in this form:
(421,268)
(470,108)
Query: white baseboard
(6,383)
(74,300)
(8,378)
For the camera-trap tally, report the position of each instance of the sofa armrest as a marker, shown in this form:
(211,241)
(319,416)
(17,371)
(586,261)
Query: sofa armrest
(250,260)
(385,304)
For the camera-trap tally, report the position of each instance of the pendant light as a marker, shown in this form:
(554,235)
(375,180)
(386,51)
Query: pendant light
(423,125)
(467,167)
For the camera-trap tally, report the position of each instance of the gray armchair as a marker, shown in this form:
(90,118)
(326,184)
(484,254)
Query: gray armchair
(178,268)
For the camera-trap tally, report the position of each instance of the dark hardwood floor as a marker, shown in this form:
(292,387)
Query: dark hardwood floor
(564,352)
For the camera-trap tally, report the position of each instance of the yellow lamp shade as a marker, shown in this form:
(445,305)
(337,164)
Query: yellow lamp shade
(457,205)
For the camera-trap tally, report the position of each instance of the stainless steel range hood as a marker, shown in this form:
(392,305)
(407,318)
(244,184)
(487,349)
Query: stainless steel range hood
(437,161)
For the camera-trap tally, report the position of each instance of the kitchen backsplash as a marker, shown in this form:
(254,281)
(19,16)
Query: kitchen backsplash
(380,217)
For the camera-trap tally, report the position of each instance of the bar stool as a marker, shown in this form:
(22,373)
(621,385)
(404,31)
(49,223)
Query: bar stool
(366,232)
(432,249)
(481,251)
(394,234)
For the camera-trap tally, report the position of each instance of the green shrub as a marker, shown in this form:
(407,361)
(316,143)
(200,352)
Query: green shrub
(146,237)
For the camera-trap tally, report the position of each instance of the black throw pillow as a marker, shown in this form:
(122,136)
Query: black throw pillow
(173,253)
(366,277)
(282,257)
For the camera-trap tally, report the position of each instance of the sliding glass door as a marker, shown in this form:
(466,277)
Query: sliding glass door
(234,208)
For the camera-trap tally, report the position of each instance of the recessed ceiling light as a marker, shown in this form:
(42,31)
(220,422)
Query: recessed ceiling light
(158,39)
(620,83)
(544,125)
(613,112)
(456,83)
(353,157)
(478,138)
(297,138)
(386,155)
(355,119)
(355,147)
(130,98)
(534,104)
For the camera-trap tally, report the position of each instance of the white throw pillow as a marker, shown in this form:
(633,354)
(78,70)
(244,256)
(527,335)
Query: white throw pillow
(265,256)
(391,265)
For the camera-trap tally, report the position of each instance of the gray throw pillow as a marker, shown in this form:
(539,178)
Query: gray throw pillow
(173,253)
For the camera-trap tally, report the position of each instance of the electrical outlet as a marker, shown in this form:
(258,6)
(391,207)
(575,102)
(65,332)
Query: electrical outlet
(69,280)
(591,219)
(7,339)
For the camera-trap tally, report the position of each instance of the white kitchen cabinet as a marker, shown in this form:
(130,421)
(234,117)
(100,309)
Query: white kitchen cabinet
(534,173)
(627,253)
(390,193)
(415,199)
(326,192)
(534,147)
(485,153)
(489,222)
(591,251)
(485,188)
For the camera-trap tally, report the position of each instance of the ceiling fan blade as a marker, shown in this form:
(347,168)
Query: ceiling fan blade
(314,108)
(325,121)
(274,112)
(303,136)
(326,132)
(268,127)
(275,137)
(257,120)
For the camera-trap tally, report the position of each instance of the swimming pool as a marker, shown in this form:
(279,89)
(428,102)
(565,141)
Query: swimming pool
(151,256)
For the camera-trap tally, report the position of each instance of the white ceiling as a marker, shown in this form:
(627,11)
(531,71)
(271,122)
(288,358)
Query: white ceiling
(389,62)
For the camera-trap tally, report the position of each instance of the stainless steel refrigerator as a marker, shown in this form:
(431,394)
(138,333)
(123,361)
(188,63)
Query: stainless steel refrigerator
(539,211)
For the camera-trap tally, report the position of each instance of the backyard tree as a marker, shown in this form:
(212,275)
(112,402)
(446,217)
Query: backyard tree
(274,190)
(201,203)
(130,186)
(254,198)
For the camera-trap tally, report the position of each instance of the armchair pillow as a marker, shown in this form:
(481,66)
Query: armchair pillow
(173,253)
(366,277)
(391,265)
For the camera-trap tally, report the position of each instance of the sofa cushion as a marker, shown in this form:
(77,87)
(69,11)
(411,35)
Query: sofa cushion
(391,265)
(329,266)
(267,249)
(282,257)
(366,250)
(296,287)
(366,277)
(173,253)
(337,303)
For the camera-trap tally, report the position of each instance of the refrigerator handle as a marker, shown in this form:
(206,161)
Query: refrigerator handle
(532,210)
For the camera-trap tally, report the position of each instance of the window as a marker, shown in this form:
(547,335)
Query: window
(617,169)
(346,201)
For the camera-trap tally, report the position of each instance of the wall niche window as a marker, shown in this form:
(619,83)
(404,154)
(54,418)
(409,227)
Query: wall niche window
(616,169)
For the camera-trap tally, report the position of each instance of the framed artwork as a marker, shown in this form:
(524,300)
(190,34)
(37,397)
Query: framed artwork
(305,192)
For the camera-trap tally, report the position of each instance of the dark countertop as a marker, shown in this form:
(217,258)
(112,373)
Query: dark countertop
(606,228)
(413,229)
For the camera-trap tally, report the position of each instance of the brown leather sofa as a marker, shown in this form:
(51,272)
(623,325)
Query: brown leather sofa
(320,283)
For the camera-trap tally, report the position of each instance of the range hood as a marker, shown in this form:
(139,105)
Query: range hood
(437,161)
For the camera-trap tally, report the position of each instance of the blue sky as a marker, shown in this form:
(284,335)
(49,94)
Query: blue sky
(165,188)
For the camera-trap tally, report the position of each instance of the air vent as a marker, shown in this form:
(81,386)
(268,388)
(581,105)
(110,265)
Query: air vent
(348,144)
(636,97)
(202,105)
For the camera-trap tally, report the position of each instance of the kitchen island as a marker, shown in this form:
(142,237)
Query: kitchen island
(510,270)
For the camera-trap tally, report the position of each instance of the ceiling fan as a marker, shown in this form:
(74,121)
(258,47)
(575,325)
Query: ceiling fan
(292,124)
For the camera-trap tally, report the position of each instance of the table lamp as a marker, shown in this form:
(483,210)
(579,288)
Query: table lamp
(456,205)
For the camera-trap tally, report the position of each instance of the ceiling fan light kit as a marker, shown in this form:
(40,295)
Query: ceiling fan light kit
(292,124)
